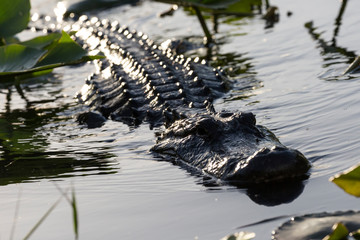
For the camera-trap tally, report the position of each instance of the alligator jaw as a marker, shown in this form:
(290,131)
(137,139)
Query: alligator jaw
(271,165)
(232,148)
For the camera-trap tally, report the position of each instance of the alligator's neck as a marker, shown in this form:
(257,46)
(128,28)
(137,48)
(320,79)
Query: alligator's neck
(140,81)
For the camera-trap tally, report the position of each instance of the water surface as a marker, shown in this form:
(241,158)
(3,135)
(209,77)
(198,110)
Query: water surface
(283,74)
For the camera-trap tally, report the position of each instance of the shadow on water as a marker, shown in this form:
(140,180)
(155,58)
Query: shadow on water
(24,154)
(270,194)
(331,53)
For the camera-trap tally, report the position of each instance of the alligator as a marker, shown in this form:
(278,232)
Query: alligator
(139,81)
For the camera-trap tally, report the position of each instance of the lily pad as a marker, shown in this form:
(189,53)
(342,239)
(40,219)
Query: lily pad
(349,181)
(42,41)
(14,16)
(63,51)
(18,58)
(339,232)
(315,225)
(41,54)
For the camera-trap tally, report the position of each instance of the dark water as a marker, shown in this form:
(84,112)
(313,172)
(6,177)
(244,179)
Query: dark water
(289,75)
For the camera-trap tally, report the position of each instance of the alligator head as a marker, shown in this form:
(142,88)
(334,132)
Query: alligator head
(231,147)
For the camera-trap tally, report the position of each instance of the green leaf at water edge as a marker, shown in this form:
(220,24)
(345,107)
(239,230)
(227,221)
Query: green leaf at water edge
(41,54)
(42,42)
(18,58)
(339,232)
(349,181)
(356,234)
(62,51)
(14,16)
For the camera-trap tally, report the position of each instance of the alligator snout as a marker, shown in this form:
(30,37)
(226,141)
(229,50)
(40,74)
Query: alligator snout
(274,164)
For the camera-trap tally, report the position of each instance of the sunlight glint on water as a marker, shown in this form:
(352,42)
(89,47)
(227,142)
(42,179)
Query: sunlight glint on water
(124,193)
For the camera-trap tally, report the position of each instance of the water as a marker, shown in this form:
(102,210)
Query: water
(282,74)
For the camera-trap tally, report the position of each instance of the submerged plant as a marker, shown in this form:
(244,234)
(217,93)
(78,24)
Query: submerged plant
(72,202)
(216,7)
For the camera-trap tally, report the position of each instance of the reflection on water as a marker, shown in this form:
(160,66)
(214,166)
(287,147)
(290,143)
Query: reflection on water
(24,153)
(333,54)
(84,6)
(263,194)
(276,76)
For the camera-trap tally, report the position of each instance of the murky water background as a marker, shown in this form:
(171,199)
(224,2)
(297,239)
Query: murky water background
(282,74)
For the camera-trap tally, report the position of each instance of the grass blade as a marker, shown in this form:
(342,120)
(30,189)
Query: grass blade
(44,217)
(75,213)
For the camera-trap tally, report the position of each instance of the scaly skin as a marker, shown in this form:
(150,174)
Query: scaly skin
(139,81)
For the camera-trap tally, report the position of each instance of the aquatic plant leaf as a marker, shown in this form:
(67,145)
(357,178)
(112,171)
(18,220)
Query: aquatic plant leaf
(42,41)
(40,55)
(75,213)
(47,213)
(339,232)
(62,51)
(349,181)
(14,16)
(18,58)
(354,66)
(356,234)
(240,236)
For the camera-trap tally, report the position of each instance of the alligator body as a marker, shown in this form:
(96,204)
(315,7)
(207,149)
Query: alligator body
(139,81)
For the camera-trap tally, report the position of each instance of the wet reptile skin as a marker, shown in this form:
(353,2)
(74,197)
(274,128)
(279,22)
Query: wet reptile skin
(139,81)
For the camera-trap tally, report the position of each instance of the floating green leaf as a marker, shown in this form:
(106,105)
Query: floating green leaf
(339,232)
(349,181)
(14,16)
(18,58)
(62,51)
(41,54)
(42,41)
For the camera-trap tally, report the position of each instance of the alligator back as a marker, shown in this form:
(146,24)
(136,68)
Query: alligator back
(141,81)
